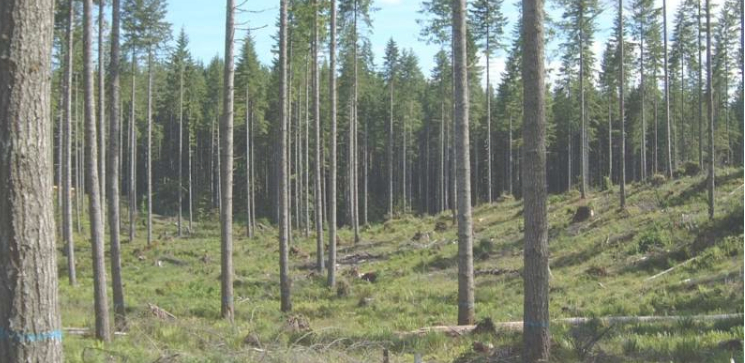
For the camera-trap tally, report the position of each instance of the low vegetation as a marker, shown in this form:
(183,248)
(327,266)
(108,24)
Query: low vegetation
(607,265)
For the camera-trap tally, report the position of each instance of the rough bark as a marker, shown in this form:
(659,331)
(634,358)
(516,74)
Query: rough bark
(100,302)
(29,308)
(318,209)
(226,169)
(465,221)
(113,170)
(709,111)
(331,209)
(67,236)
(536,340)
(284,222)
(101,113)
(621,107)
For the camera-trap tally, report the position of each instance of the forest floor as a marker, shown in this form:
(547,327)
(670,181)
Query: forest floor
(600,268)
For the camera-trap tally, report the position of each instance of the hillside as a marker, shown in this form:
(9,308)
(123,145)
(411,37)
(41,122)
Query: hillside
(600,267)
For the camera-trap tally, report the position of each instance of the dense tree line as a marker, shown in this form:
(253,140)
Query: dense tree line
(386,139)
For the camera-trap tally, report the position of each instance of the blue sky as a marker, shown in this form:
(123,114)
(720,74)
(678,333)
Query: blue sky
(204,23)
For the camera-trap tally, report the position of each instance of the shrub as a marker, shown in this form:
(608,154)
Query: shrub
(657,180)
(650,239)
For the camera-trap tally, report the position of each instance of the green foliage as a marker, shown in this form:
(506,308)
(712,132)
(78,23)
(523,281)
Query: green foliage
(654,238)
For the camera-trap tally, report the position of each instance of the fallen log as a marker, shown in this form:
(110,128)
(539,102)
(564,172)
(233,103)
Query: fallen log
(457,330)
(86,331)
(670,269)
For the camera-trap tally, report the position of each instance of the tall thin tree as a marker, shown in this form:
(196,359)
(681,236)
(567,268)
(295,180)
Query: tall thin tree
(226,168)
(67,236)
(621,107)
(284,220)
(709,111)
(332,145)
(101,306)
(318,209)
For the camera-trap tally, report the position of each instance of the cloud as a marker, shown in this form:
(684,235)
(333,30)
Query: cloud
(390,2)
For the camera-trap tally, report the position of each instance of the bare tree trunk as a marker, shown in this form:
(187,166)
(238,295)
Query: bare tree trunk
(621,107)
(29,308)
(610,139)
(332,145)
(583,128)
(488,122)
(180,143)
(284,223)
(643,101)
(317,194)
(353,136)
(96,219)
(669,161)
(465,222)
(389,148)
(710,111)
(226,170)
(249,229)
(67,236)
(112,174)
(700,90)
(101,114)
(149,164)
(536,339)
(133,153)
(191,212)
(78,163)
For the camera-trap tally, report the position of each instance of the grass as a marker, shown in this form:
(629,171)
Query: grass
(599,268)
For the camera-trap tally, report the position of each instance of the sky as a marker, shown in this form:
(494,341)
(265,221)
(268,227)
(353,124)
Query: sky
(204,23)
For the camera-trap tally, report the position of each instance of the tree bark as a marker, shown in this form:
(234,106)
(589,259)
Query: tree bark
(318,209)
(113,170)
(133,153)
(583,128)
(621,107)
(465,222)
(536,340)
(67,236)
(669,161)
(710,111)
(226,170)
(101,114)
(149,156)
(29,308)
(284,222)
(332,145)
(101,305)
(180,141)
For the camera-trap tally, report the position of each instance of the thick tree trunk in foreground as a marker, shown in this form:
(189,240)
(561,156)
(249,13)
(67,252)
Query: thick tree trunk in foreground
(465,222)
(332,144)
(112,174)
(101,306)
(226,169)
(536,340)
(284,222)
(29,309)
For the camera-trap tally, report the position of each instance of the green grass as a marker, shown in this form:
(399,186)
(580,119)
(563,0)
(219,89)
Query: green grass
(598,266)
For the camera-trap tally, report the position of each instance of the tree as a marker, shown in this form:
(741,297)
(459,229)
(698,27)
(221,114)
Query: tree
(112,169)
(284,220)
(621,85)
(536,340)
(101,112)
(96,219)
(709,111)
(318,205)
(666,81)
(29,323)
(226,169)
(67,236)
(332,145)
(390,65)
(146,28)
(465,221)
(486,15)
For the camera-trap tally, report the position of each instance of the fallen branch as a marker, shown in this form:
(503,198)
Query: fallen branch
(457,330)
(86,331)
(670,269)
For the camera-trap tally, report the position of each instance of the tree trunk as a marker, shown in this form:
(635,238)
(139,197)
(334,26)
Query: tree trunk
(149,165)
(133,153)
(96,219)
(465,222)
(389,147)
(643,101)
(710,111)
(488,122)
(669,160)
(112,174)
(332,144)
(226,170)
(29,308)
(249,229)
(191,212)
(67,236)
(101,114)
(284,223)
(699,86)
(318,202)
(536,340)
(180,143)
(510,159)
(621,107)
(583,130)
